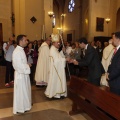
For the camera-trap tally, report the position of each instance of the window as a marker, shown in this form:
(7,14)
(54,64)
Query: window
(71,5)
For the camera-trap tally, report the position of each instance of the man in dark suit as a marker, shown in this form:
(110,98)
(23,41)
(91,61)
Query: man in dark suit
(113,75)
(92,61)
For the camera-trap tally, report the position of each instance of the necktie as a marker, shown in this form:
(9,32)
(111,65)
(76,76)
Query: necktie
(115,51)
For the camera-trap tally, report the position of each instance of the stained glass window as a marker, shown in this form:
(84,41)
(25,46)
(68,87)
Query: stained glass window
(71,5)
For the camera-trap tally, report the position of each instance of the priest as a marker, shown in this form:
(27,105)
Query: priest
(57,79)
(42,68)
(22,86)
(106,60)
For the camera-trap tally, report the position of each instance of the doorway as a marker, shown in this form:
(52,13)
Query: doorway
(1,33)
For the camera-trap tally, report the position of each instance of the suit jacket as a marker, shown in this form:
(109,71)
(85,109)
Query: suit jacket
(114,71)
(91,59)
(100,52)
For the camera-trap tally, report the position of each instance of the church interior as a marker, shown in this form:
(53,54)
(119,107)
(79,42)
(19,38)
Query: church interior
(72,19)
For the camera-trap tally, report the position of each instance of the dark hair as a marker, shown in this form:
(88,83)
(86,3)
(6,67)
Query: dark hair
(19,38)
(112,33)
(29,43)
(83,40)
(72,44)
(69,42)
(35,41)
(13,35)
(117,34)
(14,42)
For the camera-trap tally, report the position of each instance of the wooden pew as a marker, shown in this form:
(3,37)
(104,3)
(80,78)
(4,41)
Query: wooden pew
(97,102)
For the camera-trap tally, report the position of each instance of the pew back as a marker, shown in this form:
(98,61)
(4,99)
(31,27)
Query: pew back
(99,97)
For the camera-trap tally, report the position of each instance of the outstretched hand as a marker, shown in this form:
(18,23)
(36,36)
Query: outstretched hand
(72,61)
(107,74)
(75,62)
(68,59)
(29,64)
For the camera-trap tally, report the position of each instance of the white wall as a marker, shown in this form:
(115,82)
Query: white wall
(36,9)
(72,21)
(91,9)
(25,10)
(102,9)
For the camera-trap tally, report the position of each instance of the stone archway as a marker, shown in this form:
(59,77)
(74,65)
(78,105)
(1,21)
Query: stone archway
(117,20)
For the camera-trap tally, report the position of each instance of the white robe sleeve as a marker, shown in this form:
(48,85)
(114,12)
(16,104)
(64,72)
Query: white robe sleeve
(62,54)
(59,58)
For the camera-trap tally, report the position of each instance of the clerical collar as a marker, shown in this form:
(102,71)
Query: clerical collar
(20,46)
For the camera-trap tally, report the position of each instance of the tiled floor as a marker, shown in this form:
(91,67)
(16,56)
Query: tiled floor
(39,100)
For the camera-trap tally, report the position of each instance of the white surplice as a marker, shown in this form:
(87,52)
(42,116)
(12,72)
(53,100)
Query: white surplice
(22,86)
(106,59)
(57,78)
(42,68)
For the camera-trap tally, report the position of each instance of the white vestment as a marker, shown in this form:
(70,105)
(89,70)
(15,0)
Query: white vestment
(22,86)
(106,59)
(42,68)
(57,78)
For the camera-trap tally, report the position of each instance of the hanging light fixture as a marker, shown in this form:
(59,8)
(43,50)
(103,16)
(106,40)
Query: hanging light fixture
(50,13)
(108,18)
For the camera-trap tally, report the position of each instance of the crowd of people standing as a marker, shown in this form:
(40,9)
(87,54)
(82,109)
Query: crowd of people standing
(44,63)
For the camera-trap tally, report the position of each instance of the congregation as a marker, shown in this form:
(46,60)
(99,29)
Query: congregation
(50,62)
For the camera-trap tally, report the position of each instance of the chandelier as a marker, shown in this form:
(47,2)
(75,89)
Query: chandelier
(50,14)
(108,18)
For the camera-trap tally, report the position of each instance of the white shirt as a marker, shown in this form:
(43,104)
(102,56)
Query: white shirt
(9,53)
(118,47)
(86,47)
(4,48)
(30,59)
